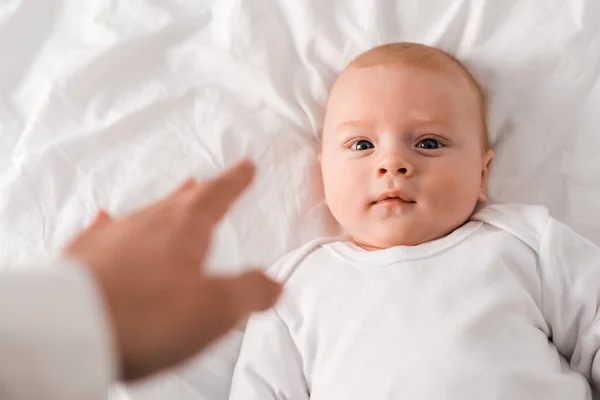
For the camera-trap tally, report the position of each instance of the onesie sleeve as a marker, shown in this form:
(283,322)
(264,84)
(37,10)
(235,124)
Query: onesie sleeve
(269,366)
(570,275)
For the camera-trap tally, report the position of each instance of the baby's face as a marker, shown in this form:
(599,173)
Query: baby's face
(402,156)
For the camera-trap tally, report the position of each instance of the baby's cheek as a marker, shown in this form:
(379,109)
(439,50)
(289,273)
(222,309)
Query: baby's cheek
(336,183)
(343,205)
(451,192)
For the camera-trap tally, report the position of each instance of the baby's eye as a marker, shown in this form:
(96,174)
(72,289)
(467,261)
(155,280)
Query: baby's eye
(362,145)
(429,144)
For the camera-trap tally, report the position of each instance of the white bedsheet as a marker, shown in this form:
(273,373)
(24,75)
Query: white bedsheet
(111,104)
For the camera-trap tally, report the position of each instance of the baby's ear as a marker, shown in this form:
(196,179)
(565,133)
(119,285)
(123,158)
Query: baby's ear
(485,174)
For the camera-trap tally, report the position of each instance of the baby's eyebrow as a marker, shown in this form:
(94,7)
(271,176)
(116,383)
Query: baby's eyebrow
(425,118)
(431,121)
(421,119)
(355,124)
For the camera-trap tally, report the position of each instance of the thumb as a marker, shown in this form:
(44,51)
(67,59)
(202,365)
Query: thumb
(100,221)
(225,301)
(253,291)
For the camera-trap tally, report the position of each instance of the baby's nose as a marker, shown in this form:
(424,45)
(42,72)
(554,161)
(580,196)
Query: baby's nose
(395,163)
(393,171)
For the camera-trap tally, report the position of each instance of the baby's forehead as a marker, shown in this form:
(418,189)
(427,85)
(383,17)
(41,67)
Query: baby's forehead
(413,55)
(420,57)
(400,85)
(390,75)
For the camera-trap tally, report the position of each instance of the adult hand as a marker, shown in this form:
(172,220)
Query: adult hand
(148,265)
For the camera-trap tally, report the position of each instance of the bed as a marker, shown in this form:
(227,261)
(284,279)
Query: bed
(111,104)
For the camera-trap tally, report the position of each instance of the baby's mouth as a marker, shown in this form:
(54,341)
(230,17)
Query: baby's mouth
(392,198)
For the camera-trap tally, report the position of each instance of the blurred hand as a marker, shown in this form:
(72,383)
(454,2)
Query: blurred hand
(148,265)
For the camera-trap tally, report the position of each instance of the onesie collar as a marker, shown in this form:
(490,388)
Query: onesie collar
(378,258)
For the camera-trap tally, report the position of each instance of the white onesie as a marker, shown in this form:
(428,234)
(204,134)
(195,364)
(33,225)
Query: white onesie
(504,307)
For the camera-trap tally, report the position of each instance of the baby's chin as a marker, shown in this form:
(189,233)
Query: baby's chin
(374,244)
(402,236)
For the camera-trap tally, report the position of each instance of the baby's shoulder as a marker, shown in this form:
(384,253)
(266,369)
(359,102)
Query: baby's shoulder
(285,266)
(525,221)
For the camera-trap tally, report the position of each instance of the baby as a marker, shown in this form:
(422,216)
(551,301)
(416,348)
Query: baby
(429,296)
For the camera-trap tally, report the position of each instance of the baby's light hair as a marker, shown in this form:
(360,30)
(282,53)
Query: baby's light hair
(425,57)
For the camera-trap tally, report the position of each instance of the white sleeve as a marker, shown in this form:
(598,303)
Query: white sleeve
(55,337)
(269,366)
(570,273)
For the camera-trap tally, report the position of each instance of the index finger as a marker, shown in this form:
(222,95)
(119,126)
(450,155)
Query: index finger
(216,196)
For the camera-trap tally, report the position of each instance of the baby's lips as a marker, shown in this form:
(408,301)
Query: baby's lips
(393,194)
